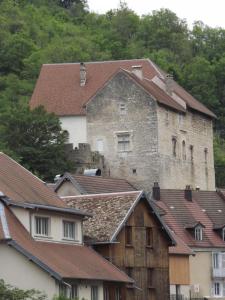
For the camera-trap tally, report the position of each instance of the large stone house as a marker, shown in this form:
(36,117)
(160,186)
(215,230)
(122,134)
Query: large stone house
(41,242)
(147,127)
(127,231)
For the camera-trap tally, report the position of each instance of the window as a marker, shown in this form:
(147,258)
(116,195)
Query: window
(149,237)
(223,234)
(167,117)
(174,146)
(117,294)
(94,293)
(122,108)
(129,271)
(191,152)
(100,145)
(184,150)
(123,140)
(206,155)
(180,119)
(106,293)
(62,290)
(128,235)
(216,289)
(69,230)
(215,260)
(42,226)
(198,233)
(150,277)
(74,291)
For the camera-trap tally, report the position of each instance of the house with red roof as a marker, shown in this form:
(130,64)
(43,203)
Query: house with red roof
(41,242)
(197,219)
(147,127)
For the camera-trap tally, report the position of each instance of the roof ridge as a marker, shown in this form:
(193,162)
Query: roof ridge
(102,194)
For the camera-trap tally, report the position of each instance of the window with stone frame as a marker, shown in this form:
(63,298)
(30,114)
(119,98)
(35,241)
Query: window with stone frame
(184,150)
(191,153)
(174,146)
(123,141)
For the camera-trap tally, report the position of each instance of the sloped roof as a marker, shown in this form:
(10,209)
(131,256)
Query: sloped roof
(110,212)
(180,213)
(62,261)
(180,247)
(96,184)
(58,86)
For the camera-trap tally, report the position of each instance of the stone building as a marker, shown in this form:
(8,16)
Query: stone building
(147,127)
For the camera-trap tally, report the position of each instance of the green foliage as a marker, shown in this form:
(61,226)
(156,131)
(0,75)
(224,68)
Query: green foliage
(33,32)
(7,292)
(219,157)
(35,139)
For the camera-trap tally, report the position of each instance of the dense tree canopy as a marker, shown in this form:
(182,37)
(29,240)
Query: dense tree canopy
(34,32)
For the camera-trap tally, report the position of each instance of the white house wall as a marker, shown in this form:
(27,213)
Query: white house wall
(18,271)
(76,127)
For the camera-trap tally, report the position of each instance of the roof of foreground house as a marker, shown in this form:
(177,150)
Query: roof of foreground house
(206,209)
(110,213)
(20,187)
(58,86)
(61,261)
(95,184)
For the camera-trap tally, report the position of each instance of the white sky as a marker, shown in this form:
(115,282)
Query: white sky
(210,12)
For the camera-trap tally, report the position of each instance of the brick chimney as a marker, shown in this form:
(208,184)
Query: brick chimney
(188,193)
(82,74)
(169,83)
(137,71)
(156,191)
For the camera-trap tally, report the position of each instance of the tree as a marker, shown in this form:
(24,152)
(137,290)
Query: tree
(7,292)
(35,139)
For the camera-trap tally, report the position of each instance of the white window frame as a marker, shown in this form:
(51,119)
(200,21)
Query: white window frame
(74,291)
(198,233)
(74,230)
(94,292)
(127,142)
(217,289)
(48,226)
(216,260)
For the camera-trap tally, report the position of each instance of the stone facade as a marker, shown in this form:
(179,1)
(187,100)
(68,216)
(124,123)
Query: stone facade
(145,142)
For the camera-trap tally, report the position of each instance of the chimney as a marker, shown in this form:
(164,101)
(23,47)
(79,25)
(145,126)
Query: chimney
(156,191)
(82,74)
(169,83)
(188,193)
(137,71)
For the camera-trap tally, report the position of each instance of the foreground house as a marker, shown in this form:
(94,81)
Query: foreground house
(198,219)
(41,242)
(147,127)
(127,230)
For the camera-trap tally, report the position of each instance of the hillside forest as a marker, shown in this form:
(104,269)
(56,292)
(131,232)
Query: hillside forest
(34,32)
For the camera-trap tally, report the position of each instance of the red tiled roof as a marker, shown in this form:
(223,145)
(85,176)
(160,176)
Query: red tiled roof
(96,184)
(180,248)
(22,186)
(203,209)
(67,261)
(58,86)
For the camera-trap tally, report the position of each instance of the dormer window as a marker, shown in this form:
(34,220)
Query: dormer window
(69,230)
(198,233)
(42,226)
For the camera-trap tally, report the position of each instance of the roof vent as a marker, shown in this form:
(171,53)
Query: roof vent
(188,193)
(169,84)
(92,172)
(137,71)
(82,74)
(156,191)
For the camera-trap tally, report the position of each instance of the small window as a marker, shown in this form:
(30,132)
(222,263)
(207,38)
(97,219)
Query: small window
(122,108)
(118,294)
(129,271)
(180,119)
(174,146)
(150,277)
(69,230)
(206,155)
(123,140)
(94,293)
(100,145)
(198,233)
(191,152)
(184,150)
(215,260)
(216,289)
(42,226)
(128,235)
(149,237)
(74,291)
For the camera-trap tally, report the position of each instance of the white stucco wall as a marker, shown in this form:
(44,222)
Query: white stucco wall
(76,127)
(18,271)
(23,215)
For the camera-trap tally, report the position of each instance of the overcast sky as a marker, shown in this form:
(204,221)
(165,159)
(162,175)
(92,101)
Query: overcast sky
(210,12)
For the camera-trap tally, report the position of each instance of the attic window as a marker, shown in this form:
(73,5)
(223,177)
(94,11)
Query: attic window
(122,109)
(42,226)
(198,233)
